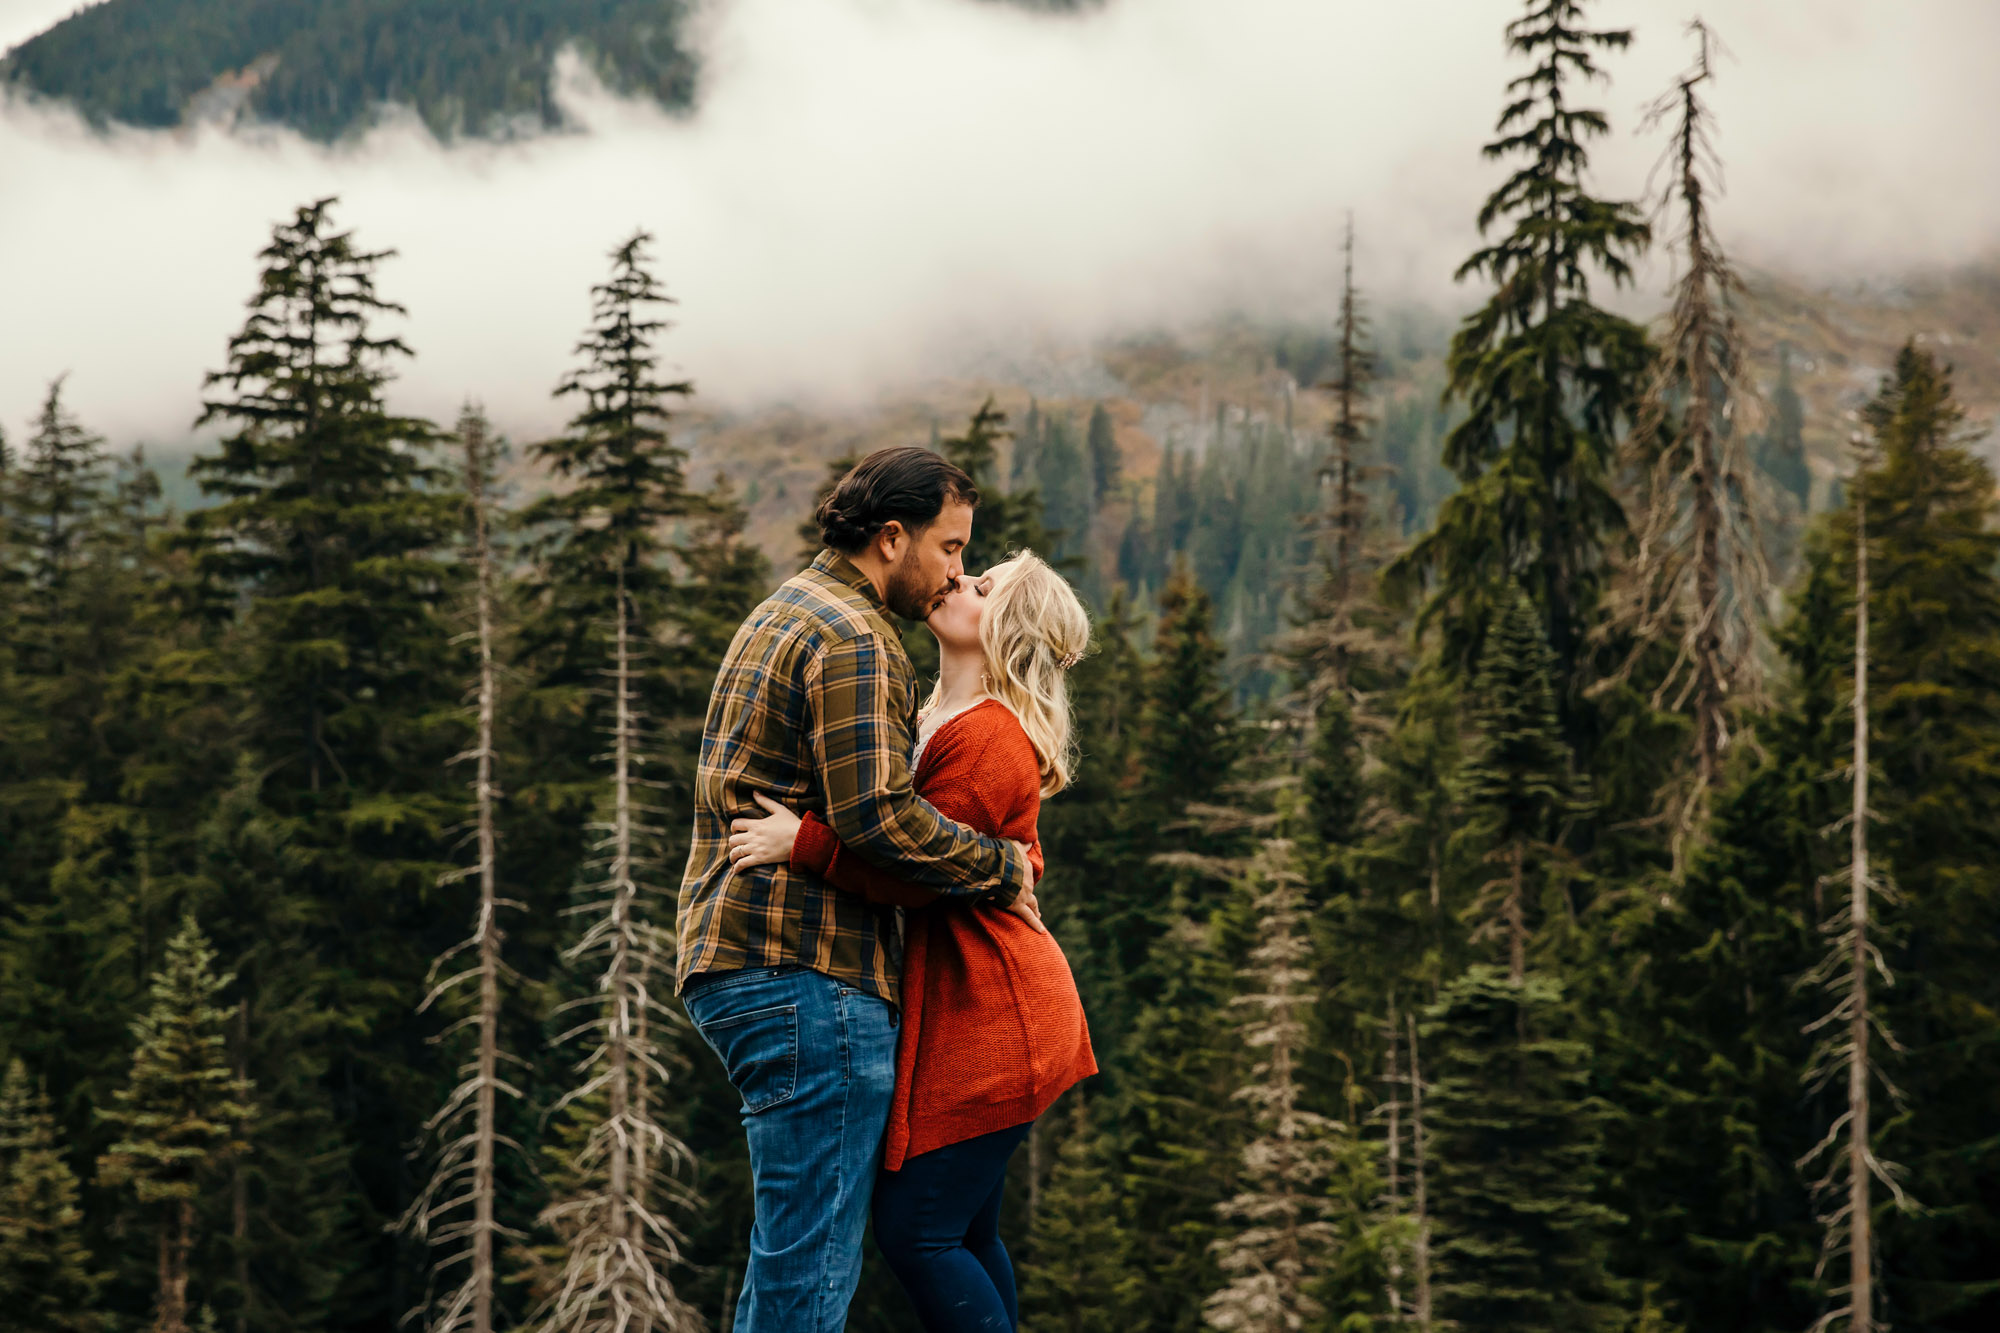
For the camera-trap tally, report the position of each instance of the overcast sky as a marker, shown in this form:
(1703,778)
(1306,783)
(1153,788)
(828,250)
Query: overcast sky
(872,190)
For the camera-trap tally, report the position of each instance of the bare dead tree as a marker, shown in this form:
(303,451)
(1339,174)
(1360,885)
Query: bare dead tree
(1392,1199)
(1334,630)
(455,1211)
(626,1182)
(1699,571)
(1283,1238)
(1852,1168)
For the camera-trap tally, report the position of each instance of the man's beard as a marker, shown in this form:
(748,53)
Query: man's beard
(908,594)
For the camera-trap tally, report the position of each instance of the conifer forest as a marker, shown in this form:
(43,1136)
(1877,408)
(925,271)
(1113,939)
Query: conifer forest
(1534,866)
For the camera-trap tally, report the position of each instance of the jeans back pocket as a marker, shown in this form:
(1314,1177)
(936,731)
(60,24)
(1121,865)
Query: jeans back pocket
(760,1051)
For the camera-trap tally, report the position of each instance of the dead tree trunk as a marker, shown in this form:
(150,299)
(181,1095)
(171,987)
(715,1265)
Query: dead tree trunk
(1846,1054)
(176,1240)
(619,1246)
(456,1207)
(1699,573)
(1861,1238)
(1392,1076)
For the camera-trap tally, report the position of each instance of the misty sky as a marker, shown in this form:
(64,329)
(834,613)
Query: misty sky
(877,190)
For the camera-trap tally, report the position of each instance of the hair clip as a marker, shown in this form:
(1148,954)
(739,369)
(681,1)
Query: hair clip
(1071,660)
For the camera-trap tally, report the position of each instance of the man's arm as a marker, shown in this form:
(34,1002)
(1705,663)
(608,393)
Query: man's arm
(861,747)
(817,851)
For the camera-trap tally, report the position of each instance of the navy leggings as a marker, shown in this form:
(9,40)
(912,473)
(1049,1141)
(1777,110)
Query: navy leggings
(937,1222)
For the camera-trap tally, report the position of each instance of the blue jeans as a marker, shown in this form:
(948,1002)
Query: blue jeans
(937,1222)
(815,1062)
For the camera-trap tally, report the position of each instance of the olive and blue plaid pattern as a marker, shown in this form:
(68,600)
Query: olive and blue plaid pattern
(816,707)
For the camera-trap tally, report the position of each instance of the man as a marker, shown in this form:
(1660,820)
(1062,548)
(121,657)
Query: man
(792,982)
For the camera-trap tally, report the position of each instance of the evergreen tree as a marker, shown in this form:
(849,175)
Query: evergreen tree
(179,1114)
(1546,376)
(1071,1273)
(1180,1136)
(1515,1165)
(1336,627)
(1005,523)
(1515,786)
(1106,464)
(47,1278)
(1063,480)
(329,519)
(1188,729)
(624,479)
(1781,449)
(55,507)
(1336,795)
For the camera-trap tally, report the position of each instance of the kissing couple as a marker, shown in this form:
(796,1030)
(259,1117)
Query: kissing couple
(859,940)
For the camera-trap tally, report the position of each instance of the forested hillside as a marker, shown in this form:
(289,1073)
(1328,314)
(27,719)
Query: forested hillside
(1531,865)
(465,66)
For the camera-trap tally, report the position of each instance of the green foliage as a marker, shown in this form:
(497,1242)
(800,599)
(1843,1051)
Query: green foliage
(1005,522)
(1515,785)
(1106,464)
(1546,376)
(183,1107)
(622,476)
(1518,1140)
(53,507)
(1073,1247)
(1179,1136)
(466,68)
(1781,449)
(1188,730)
(244,715)
(47,1278)
(330,524)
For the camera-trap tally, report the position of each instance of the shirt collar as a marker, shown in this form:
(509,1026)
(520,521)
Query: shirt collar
(842,570)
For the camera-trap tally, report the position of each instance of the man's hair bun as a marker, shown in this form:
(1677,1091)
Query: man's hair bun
(840,529)
(905,485)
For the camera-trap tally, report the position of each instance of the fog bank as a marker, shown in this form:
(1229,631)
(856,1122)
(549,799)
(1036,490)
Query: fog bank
(873,191)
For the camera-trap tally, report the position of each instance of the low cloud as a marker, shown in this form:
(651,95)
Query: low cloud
(876,191)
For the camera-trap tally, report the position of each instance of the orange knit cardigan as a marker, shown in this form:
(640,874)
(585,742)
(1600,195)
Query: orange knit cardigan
(992,1029)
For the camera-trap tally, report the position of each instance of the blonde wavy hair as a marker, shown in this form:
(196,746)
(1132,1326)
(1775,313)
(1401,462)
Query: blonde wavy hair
(1033,629)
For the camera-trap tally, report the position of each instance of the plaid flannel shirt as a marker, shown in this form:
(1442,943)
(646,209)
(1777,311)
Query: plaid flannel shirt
(816,707)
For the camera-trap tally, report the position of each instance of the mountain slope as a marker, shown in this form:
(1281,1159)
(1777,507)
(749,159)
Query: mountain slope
(465,66)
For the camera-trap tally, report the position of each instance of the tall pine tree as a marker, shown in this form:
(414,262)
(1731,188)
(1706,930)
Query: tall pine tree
(1547,377)
(329,519)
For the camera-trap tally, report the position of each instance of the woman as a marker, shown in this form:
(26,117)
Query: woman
(992,1028)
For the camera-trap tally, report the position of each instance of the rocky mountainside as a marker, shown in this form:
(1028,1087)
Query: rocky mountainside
(1226,382)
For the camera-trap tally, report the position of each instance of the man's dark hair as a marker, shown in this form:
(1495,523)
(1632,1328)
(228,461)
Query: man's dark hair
(906,485)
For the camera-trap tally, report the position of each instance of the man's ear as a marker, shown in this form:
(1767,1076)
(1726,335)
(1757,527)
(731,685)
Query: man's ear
(889,541)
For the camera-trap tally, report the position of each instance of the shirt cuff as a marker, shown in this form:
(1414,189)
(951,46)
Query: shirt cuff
(813,846)
(1020,876)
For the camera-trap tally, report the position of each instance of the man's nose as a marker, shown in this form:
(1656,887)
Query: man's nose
(956,570)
